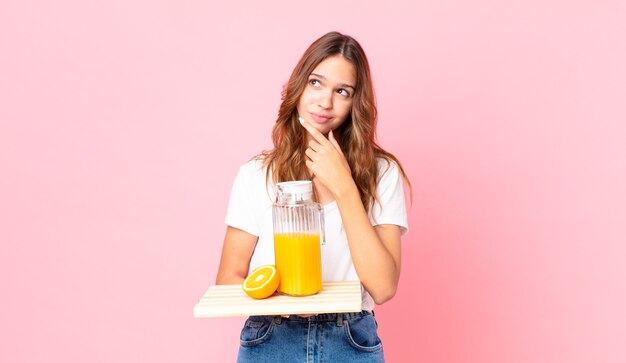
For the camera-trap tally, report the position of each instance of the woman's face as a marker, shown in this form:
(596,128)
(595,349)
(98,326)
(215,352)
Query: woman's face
(327,98)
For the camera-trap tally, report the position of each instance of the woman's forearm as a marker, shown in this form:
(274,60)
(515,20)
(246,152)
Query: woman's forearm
(376,257)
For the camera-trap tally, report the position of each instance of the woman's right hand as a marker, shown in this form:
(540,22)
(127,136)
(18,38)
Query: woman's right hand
(326,161)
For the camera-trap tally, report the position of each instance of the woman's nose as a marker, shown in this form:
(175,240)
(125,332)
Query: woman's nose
(325,99)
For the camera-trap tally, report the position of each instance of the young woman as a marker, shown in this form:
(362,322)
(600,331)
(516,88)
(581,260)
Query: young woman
(325,132)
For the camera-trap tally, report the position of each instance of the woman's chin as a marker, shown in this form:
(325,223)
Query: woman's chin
(324,129)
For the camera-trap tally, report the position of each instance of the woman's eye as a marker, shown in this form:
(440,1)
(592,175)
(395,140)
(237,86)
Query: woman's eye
(343,92)
(314,82)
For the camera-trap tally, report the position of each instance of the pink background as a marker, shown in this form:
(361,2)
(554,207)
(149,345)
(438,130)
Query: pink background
(122,125)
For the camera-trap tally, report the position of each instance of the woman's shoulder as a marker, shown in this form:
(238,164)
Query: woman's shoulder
(254,166)
(386,165)
(252,177)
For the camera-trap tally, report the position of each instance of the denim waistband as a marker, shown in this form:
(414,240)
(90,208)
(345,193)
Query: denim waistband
(326,317)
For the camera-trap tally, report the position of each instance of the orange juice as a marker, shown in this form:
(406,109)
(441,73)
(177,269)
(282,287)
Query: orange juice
(299,263)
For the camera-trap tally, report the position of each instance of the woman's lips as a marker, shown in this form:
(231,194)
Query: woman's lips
(320,118)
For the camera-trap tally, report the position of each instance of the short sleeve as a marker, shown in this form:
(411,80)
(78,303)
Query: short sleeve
(240,212)
(391,208)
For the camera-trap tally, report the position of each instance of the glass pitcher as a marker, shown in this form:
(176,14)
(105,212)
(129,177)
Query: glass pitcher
(298,232)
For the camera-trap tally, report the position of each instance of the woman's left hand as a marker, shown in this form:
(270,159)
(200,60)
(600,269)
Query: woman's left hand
(326,161)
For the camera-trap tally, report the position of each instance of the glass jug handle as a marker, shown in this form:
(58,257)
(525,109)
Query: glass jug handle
(322,226)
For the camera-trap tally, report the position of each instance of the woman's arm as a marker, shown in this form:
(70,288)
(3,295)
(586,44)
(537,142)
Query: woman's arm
(375,250)
(236,254)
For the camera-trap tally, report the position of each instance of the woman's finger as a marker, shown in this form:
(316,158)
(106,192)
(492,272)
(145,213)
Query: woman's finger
(314,145)
(313,131)
(309,165)
(333,141)
(311,154)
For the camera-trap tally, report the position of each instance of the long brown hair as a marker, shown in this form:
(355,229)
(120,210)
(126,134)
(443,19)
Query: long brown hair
(356,135)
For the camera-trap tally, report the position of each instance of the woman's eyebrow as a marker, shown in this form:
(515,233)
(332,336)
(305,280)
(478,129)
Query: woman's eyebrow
(341,84)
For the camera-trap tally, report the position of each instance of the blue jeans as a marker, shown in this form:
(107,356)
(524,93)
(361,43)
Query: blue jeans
(341,337)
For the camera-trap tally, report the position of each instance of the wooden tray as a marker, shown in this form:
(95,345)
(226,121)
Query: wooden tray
(230,300)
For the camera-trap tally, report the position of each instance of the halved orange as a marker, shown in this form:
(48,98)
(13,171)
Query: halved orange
(262,282)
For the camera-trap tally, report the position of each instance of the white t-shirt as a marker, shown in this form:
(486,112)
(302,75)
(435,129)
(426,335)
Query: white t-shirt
(250,209)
